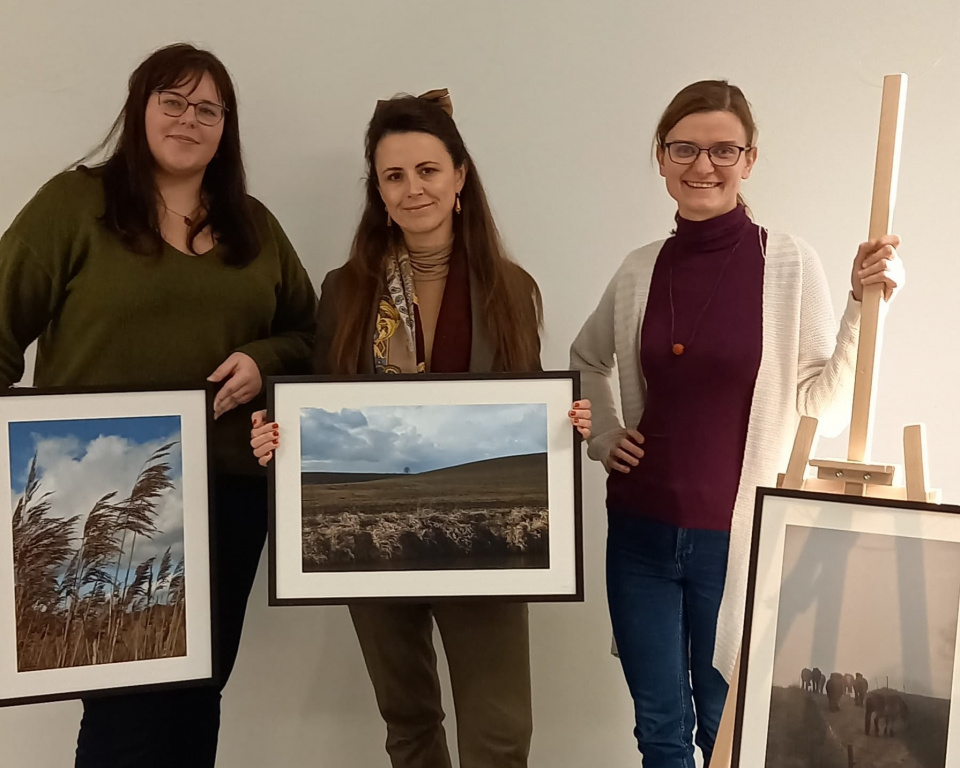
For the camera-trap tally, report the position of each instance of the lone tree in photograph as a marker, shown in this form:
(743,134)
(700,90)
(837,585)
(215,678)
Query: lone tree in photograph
(79,598)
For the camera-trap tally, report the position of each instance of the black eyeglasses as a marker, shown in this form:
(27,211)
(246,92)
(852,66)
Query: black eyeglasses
(174,105)
(685,153)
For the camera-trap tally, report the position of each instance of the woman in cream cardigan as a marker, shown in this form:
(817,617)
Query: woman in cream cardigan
(723,335)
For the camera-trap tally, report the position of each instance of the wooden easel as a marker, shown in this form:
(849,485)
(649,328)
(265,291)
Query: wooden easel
(856,476)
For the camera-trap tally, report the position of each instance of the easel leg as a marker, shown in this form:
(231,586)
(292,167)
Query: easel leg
(723,747)
(803,445)
(915,461)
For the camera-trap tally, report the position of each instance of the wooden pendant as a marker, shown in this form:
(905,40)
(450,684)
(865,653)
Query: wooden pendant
(678,349)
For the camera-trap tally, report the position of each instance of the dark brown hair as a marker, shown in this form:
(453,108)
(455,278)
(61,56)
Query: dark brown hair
(129,172)
(707,96)
(509,299)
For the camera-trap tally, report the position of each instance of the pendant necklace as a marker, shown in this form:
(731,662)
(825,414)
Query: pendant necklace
(677,348)
(188,220)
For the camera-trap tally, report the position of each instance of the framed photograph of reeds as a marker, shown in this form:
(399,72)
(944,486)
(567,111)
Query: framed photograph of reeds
(437,487)
(849,652)
(105,559)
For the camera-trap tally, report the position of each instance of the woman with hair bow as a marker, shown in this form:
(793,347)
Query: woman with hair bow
(428,288)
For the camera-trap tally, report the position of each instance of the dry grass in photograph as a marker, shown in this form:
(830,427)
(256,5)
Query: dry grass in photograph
(487,514)
(806,731)
(82,600)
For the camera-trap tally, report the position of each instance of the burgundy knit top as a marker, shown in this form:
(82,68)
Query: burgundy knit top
(706,293)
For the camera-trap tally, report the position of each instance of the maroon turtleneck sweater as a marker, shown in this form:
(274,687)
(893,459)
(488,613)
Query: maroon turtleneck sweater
(698,404)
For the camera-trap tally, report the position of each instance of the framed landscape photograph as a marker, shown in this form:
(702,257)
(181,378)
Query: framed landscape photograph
(425,488)
(105,558)
(849,653)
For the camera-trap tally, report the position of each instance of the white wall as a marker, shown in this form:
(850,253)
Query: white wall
(557,100)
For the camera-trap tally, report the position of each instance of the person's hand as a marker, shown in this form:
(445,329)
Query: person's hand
(878,262)
(243,383)
(580,416)
(626,453)
(264,438)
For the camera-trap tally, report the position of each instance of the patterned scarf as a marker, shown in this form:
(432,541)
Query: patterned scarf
(398,345)
(395,348)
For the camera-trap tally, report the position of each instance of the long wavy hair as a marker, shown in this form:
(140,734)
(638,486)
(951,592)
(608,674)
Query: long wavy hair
(509,299)
(129,173)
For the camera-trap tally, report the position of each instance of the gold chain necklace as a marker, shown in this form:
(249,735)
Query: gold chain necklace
(189,220)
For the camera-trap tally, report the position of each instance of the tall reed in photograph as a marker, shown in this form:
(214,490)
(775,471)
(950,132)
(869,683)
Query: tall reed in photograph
(80,599)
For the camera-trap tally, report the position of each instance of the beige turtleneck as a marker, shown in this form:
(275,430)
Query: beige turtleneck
(430,269)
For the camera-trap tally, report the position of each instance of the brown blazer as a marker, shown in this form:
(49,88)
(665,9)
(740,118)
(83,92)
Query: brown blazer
(482,353)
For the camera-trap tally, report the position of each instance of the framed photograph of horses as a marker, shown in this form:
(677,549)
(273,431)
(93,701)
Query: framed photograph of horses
(392,488)
(849,653)
(105,558)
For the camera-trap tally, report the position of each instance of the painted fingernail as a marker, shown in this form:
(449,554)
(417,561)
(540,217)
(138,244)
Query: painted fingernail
(576,421)
(276,434)
(276,426)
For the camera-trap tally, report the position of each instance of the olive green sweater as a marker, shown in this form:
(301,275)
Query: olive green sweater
(106,316)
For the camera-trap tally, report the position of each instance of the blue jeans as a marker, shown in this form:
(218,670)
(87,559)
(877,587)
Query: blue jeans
(664,586)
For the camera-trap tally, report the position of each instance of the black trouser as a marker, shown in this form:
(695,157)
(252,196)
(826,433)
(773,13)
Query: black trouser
(178,729)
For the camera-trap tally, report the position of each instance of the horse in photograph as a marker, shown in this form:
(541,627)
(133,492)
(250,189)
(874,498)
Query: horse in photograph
(885,711)
(819,680)
(835,688)
(848,689)
(860,688)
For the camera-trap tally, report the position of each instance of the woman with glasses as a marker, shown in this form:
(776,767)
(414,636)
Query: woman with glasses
(723,336)
(152,268)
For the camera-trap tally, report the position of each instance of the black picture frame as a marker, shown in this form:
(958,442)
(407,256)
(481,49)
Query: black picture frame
(388,384)
(198,665)
(794,532)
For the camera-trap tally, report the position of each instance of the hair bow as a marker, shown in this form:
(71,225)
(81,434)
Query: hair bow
(439,96)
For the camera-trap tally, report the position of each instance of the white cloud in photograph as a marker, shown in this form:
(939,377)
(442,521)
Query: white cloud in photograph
(388,439)
(78,473)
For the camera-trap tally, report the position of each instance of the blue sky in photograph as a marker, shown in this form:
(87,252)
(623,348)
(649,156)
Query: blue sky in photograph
(386,439)
(77,434)
(79,461)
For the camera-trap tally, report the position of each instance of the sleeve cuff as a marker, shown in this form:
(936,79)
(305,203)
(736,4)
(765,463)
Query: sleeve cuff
(852,313)
(599,447)
(265,358)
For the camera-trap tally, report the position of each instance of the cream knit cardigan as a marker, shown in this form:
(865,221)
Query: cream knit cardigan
(804,371)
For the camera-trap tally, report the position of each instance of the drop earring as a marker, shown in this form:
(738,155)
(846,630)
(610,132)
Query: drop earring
(456,205)
(389,220)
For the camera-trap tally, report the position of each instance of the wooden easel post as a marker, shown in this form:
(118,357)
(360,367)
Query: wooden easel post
(855,476)
(881,221)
